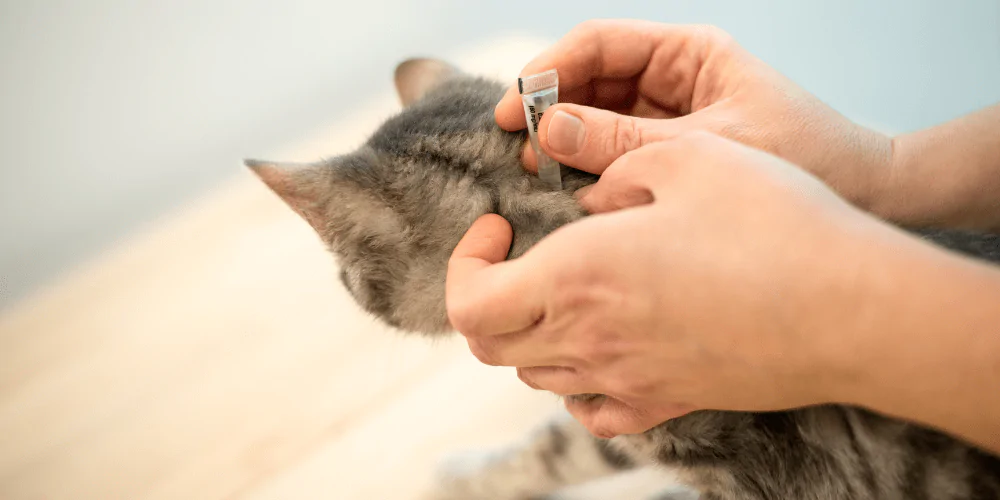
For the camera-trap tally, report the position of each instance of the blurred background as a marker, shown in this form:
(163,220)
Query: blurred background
(169,330)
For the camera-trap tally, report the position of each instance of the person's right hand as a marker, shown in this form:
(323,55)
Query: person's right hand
(636,82)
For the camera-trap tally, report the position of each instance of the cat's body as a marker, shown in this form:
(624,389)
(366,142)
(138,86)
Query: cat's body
(393,211)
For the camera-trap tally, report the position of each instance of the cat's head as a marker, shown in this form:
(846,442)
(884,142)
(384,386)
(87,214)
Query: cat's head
(393,210)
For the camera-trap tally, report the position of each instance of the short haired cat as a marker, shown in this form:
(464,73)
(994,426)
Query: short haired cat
(392,211)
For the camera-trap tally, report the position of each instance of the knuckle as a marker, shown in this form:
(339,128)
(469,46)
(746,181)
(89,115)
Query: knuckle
(596,344)
(644,387)
(589,27)
(591,352)
(576,281)
(626,135)
(715,35)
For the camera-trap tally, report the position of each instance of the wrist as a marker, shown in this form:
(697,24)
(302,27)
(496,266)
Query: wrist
(922,345)
(889,200)
(865,351)
(869,168)
(888,287)
(850,347)
(837,319)
(945,176)
(854,161)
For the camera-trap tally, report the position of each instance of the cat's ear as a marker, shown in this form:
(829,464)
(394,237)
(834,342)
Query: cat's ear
(300,185)
(415,77)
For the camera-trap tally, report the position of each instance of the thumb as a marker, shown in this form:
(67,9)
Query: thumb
(590,139)
(484,294)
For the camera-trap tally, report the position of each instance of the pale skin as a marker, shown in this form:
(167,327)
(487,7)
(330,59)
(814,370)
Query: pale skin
(731,261)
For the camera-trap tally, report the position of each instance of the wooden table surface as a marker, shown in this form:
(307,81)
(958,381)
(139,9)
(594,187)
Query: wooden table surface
(215,355)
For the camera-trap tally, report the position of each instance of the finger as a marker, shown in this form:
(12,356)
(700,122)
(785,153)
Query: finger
(528,159)
(509,114)
(597,49)
(486,242)
(612,50)
(608,417)
(486,295)
(561,380)
(590,139)
(638,177)
(620,96)
(525,348)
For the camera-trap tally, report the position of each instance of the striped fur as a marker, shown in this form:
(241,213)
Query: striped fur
(392,212)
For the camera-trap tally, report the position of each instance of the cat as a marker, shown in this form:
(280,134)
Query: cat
(392,211)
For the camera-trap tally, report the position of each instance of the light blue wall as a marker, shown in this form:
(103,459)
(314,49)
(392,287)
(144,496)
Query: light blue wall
(114,111)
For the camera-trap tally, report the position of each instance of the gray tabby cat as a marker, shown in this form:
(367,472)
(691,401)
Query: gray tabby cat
(392,211)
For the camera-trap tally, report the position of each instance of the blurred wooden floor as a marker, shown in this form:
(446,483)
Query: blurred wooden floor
(216,356)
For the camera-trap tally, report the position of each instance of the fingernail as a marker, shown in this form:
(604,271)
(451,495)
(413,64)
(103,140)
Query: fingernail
(566,133)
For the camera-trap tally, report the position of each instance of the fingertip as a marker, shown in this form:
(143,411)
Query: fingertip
(610,417)
(581,194)
(525,375)
(491,222)
(588,412)
(584,409)
(602,433)
(485,243)
(508,113)
(492,227)
(488,239)
(591,202)
(528,158)
(591,199)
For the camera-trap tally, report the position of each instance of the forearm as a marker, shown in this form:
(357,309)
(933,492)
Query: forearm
(946,176)
(928,344)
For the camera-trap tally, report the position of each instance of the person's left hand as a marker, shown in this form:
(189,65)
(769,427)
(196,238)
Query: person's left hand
(713,276)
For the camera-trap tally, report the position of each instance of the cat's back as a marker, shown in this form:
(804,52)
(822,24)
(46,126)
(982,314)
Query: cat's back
(828,451)
(897,459)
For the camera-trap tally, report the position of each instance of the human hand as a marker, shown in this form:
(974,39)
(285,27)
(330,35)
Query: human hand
(713,276)
(636,82)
